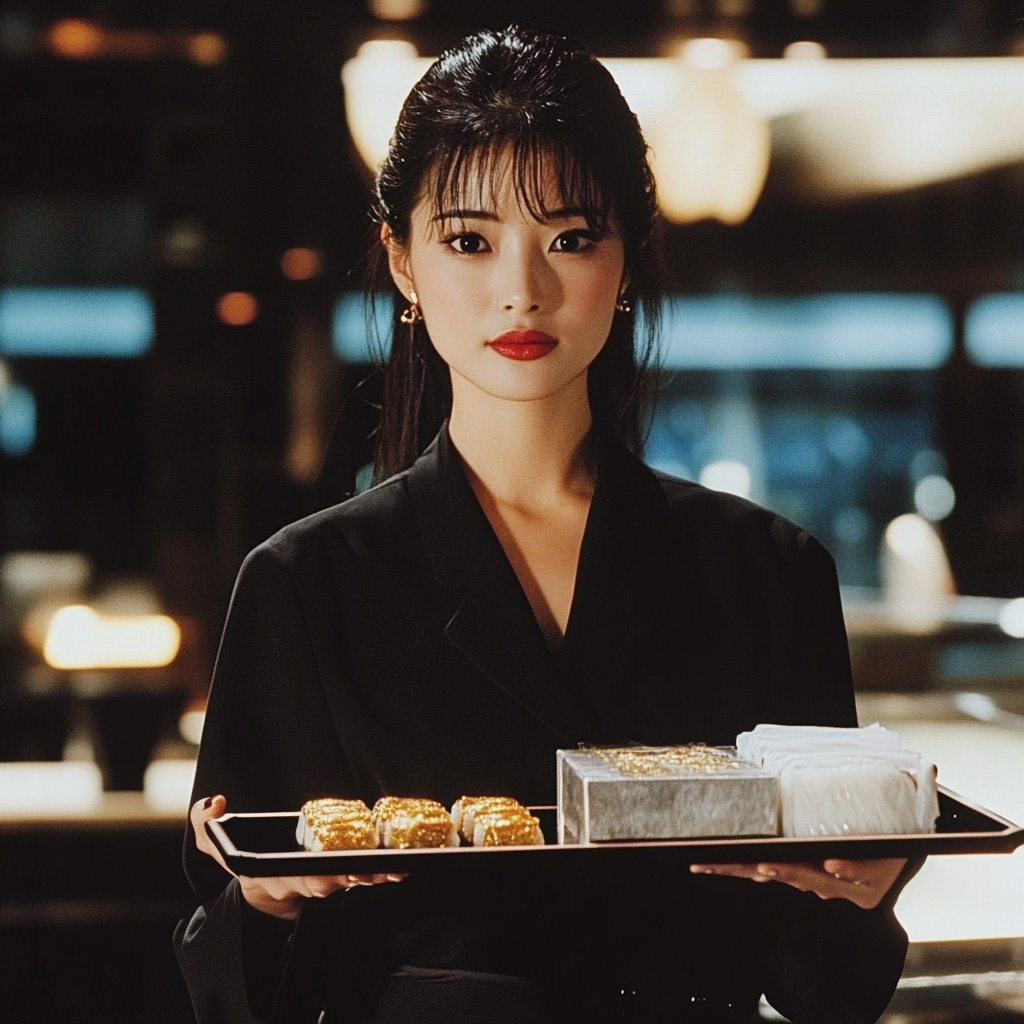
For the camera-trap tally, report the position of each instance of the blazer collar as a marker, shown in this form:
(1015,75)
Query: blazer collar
(494,626)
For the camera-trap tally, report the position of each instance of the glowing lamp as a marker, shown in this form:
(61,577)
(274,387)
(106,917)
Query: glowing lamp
(81,638)
(38,788)
(915,570)
(167,785)
(377,80)
(711,148)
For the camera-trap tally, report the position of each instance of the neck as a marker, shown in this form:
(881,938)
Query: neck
(525,453)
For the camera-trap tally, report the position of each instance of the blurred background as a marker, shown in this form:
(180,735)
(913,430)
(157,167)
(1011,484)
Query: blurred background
(184,369)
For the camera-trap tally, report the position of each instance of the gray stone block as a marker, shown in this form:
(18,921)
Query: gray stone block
(637,793)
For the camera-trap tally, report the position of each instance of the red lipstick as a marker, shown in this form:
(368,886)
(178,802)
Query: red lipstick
(523,345)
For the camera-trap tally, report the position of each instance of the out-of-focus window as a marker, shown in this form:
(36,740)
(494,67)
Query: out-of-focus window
(75,322)
(818,406)
(994,330)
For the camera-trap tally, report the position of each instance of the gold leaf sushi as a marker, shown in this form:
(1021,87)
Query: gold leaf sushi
(496,821)
(330,824)
(405,823)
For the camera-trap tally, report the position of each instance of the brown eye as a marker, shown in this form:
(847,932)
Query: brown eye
(572,241)
(468,244)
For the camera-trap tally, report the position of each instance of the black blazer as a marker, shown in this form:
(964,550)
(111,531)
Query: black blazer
(385,646)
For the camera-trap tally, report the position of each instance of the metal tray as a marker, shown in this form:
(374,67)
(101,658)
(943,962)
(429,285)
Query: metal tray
(264,845)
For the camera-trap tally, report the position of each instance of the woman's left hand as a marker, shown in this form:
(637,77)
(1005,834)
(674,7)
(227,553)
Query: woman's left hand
(862,882)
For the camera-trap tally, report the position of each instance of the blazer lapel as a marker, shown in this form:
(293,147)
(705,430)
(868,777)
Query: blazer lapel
(622,569)
(493,627)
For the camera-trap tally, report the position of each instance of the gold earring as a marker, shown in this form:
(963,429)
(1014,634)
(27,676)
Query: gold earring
(624,305)
(412,314)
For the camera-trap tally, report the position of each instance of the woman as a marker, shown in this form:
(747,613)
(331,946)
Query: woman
(522,584)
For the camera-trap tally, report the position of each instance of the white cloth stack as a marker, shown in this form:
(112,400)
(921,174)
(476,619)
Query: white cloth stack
(843,782)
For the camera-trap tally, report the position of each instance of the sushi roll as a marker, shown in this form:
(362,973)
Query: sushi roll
(331,824)
(506,828)
(466,808)
(405,823)
(316,810)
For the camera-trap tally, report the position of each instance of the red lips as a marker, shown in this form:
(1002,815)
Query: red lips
(523,345)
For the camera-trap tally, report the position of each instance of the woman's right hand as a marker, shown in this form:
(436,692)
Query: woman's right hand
(280,897)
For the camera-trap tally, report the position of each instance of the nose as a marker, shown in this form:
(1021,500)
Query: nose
(524,284)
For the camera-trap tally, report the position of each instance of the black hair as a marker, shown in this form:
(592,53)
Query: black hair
(540,99)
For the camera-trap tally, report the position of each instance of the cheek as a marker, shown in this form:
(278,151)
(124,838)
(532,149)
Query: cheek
(593,294)
(446,291)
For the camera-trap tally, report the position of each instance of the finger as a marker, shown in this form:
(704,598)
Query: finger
(841,868)
(731,870)
(829,885)
(806,877)
(203,811)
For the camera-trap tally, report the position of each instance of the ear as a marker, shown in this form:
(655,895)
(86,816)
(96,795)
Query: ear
(624,284)
(398,261)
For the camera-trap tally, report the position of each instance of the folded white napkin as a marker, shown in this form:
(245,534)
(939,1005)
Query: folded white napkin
(836,782)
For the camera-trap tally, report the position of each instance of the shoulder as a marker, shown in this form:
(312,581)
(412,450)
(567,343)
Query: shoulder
(726,522)
(362,526)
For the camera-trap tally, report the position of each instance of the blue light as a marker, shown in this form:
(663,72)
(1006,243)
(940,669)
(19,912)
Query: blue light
(77,322)
(17,420)
(868,331)
(994,331)
(349,328)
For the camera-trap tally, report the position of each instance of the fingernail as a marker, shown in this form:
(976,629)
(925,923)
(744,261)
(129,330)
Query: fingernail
(207,803)
(767,872)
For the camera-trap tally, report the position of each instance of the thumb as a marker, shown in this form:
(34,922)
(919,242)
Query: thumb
(202,812)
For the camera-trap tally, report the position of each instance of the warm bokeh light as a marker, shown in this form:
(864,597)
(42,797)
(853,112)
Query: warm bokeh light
(712,53)
(959,898)
(167,785)
(81,638)
(711,148)
(871,126)
(236,309)
(40,788)
(76,39)
(855,127)
(207,49)
(377,80)
(916,574)
(805,49)
(301,264)
(190,725)
(397,10)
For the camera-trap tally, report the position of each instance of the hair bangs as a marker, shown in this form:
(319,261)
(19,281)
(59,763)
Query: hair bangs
(547,176)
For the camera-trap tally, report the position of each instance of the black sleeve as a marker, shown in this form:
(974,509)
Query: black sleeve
(826,960)
(266,945)
(268,744)
(226,942)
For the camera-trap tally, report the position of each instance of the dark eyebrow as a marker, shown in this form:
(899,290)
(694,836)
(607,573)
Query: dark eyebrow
(466,215)
(565,213)
(568,212)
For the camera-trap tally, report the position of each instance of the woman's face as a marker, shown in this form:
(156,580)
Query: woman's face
(518,308)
